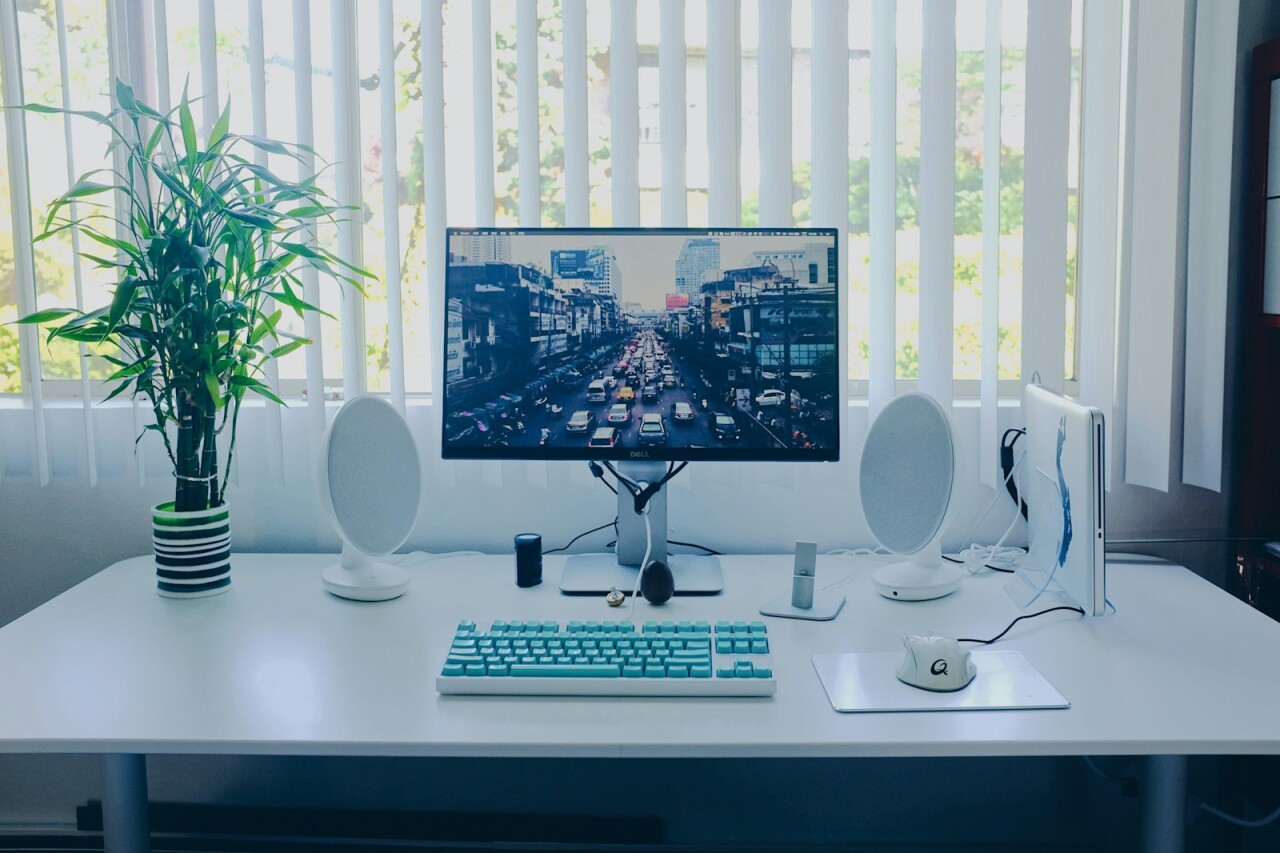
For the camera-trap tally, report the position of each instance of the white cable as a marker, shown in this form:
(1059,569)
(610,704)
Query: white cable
(1239,821)
(977,556)
(644,564)
(417,558)
(879,552)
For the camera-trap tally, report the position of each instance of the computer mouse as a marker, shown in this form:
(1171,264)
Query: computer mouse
(935,663)
(657,584)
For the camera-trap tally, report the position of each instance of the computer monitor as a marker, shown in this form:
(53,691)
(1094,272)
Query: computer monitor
(1064,485)
(645,347)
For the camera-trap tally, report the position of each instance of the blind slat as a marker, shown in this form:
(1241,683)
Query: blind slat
(208,67)
(305,136)
(937,198)
(1209,218)
(159,18)
(1044,217)
(1101,86)
(988,419)
(346,144)
(672,120)
(577,211)
(482,102)
(883,202)
(274,437)
(724,106)
(1152,265)
(624,113)
(24,270)
(86,396)
(433,171)
(775,109)
(391,199)
(527,105)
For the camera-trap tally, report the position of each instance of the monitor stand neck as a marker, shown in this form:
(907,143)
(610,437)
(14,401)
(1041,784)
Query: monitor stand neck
(599,573)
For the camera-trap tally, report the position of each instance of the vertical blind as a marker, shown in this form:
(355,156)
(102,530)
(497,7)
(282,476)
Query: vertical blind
(940,137)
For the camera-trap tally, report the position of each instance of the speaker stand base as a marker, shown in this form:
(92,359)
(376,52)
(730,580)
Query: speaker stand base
(369,582)
(914,582)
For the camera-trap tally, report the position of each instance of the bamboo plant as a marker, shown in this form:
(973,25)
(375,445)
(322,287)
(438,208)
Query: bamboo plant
(206,247)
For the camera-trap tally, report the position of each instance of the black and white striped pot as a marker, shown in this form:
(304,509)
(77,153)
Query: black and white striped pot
(193,551)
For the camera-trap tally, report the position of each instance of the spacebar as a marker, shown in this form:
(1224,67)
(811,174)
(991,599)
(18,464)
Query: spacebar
(529,670)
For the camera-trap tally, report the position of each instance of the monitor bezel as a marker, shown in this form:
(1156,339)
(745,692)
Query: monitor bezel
(549,453)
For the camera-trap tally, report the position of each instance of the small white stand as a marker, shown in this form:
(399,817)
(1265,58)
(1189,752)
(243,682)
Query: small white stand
(362,578)
(924,575)
(827,605)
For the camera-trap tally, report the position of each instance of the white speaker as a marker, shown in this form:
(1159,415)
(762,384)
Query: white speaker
(906,478)
(370,488)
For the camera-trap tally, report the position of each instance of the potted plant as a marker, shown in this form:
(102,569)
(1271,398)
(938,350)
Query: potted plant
(206,246)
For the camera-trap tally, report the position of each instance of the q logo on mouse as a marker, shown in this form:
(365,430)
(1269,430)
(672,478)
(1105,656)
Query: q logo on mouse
(939,667)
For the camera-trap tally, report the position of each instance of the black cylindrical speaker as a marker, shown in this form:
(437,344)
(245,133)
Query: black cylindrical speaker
(528,559)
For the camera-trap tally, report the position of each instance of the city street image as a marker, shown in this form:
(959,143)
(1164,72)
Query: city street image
(607,342)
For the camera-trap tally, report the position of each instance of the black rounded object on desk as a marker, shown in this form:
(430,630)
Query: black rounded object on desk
(528,559)
(657,584)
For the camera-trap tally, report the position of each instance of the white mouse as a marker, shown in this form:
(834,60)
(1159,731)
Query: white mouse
(935,663)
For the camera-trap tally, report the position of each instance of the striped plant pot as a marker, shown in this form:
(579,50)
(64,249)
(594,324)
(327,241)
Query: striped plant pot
(193,551)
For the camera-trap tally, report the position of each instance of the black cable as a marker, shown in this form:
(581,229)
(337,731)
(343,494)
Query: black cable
(598,473)
(1016,621)
(580,535)
(642,496)
(713,552)
(985,565)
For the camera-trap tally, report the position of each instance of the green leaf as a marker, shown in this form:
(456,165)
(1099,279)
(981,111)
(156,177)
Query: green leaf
(46,316)
(285,349)
(124,96)
(214,388)
(121,300)
(89,114)
(188,125)
(175,187)
(86,188)
(220,126)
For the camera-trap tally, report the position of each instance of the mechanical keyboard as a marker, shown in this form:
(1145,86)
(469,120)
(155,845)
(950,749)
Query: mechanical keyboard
(610,659)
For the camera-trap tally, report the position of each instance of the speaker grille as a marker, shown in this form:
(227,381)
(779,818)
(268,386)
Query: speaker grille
(908,465)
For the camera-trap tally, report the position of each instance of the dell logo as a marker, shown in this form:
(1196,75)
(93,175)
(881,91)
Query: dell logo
(639,454)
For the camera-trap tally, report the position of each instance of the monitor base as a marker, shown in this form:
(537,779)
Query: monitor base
(597,574)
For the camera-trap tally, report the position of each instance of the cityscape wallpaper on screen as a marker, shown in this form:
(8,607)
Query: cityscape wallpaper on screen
(618,344)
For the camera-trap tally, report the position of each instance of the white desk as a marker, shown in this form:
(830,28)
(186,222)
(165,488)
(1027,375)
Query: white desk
(279,667)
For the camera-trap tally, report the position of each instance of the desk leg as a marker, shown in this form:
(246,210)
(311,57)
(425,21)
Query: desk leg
(126,827)
(1164,803)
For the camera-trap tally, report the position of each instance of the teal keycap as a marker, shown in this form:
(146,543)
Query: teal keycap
(724,646)
(466,626)
(550,627)
(593,626)
(677,670)
(626,628)
(684,627)
(574,626)
(498,626)
(454,669)
(741,647)
(740,627)
(576,671)
(701,670)
(758,628)
(744,669)
(691,654)
(564,661)
(764,672)
(723,627)
(465,659)
(633,671)
(475,669)
(651,627)
(759,647)
(654,670)
(701,627)
(497,669)
(668,628)
(724,672)
(515,626)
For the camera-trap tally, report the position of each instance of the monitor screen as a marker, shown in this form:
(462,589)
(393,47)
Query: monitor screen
(662,344)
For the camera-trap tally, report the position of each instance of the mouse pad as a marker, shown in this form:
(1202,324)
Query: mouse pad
(869,682)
